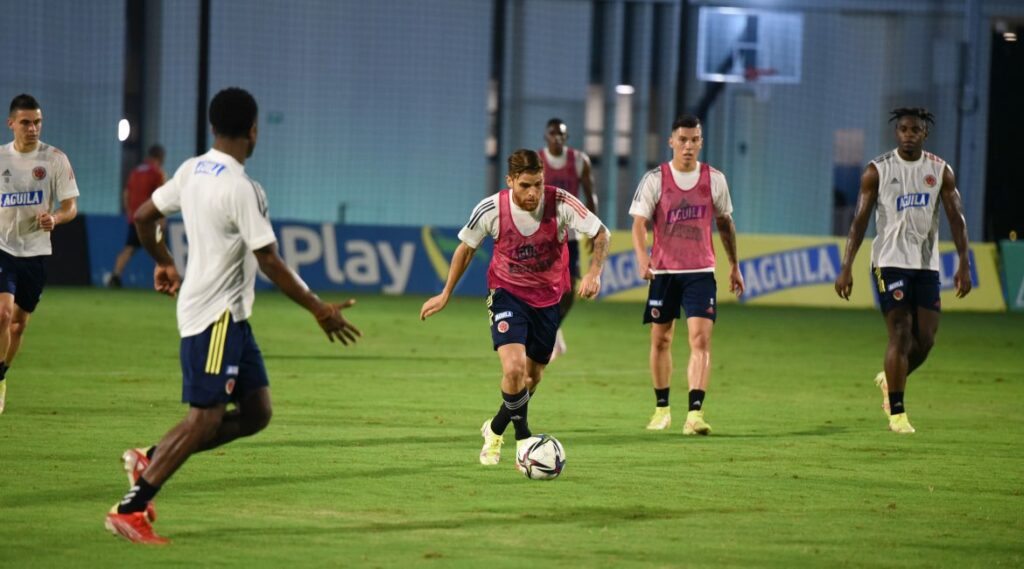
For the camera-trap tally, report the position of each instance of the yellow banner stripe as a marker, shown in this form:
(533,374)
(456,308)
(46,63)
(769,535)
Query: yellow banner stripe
(215,355)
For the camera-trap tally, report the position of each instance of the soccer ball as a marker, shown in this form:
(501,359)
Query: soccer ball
(540,457)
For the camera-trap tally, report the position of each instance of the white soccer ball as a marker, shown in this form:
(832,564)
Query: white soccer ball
(540,457)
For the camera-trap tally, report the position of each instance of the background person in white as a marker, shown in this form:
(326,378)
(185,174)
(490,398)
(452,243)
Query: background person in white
(229,234)
(906,185)
(686,142)
(34,176)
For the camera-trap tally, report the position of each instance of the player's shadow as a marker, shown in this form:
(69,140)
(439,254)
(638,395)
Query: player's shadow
(371,357)
(597,517)
(321,443)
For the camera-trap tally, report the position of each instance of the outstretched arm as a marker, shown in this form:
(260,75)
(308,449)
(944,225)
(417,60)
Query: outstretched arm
(727,233)
(589,196)
(460,262)
(590,286)
(165,276)
(951,202)
(866,200)
(328,316)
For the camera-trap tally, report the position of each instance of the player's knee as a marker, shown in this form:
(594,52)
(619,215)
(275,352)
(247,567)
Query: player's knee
(925,341)
(700,342)
(260,418)
(661,342)
(6,315)
(17,329)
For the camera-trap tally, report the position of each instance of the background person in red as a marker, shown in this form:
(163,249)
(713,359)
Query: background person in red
(143,181)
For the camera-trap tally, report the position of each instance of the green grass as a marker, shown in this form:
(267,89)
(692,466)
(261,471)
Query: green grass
(371,459)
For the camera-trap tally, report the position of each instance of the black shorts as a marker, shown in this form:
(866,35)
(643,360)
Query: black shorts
(574,259)
(516,322)
(24,277)
(895,287)
(228,370)
(132,240)
(670,294)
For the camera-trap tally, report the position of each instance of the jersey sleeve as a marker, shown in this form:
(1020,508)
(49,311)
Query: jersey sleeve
(482,222)
(720,194)
(167,198)
(648,192)
(252,215)
(64,177)
(574,215)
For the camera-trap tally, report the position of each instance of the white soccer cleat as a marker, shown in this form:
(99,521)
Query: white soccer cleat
(884,386)
(490,454)
(661,419)
(560,347)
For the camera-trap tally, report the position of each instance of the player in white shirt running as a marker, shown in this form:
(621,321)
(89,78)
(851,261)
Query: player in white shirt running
(907,184)
(34,177)
(229,235)
(569,169)
(681,199)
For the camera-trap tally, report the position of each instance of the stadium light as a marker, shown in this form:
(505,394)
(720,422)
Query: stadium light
(625,89)
(123,129)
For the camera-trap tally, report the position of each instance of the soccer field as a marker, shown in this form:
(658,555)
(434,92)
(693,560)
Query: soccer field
(371,459)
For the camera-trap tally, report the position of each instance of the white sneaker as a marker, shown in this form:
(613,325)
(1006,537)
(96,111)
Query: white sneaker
(884,386)
(560,347)
(490,454)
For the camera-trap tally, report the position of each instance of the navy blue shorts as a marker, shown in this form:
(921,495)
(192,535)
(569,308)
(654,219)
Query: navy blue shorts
(574,259)
(694,293)
(515,322)
(24,277)
(221,364)
(907,288)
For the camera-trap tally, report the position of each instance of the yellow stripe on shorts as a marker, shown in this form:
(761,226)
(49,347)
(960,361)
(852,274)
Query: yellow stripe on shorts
(879,281)
(215,355)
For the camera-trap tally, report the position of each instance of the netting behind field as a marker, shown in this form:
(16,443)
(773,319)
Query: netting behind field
(70,57)
(789,149)
(402,112)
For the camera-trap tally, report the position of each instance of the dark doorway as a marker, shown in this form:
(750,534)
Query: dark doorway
(1004,187)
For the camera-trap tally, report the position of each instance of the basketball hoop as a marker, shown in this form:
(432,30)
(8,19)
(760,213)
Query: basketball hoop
(753,75)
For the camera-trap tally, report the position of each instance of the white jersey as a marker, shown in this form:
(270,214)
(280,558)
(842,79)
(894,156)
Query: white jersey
(31,183)
(226,219)
(572,214)
(907,211)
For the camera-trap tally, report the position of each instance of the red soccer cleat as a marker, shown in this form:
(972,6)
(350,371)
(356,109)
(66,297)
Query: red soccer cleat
(134,527)
(135,463)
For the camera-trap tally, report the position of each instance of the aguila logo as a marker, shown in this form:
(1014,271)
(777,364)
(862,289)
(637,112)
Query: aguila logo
(38,172)
(930,181)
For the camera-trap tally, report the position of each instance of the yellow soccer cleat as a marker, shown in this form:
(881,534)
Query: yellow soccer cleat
(695,424)
(490,454)
(900,424)
(3,395)
(661,419)
(884,386)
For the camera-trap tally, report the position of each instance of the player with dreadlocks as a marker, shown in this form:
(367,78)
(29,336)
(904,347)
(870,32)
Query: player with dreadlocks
(907,184)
